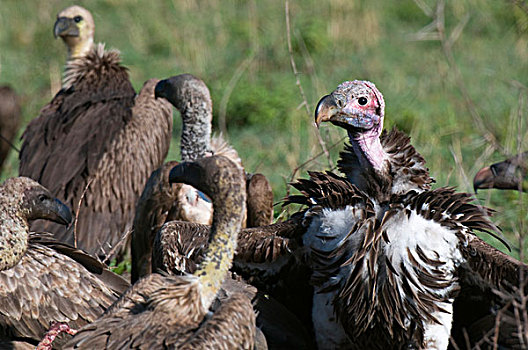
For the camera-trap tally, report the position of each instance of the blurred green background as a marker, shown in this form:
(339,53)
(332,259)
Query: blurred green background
(459,92)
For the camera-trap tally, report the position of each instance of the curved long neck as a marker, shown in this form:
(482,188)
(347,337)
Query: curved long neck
(218,258)
(368,149)
(14,234)
(196,131)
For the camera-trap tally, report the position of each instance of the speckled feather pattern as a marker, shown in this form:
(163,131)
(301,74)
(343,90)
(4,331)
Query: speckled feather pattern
(162,310)
(47,284)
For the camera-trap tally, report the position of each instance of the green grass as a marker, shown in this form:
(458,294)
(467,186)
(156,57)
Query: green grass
(332,41)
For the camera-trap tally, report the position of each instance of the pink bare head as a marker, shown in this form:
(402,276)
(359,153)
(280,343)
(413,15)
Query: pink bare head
(356,105)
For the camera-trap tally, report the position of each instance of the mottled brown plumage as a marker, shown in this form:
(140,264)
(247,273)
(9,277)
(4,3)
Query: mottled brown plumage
(169,310)
(152,211)
(260,201)
(264,257)
(97,136)
(45,281)
(364,310)
(10,115)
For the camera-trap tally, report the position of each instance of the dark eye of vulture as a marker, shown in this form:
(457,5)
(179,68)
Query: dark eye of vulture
(362,101)
(77,19)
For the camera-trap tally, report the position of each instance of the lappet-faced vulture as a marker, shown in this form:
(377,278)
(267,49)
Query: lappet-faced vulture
(96,143)
(170,311)
(10,115)
(510,174)
(43,281)
(191,97)
(390,257)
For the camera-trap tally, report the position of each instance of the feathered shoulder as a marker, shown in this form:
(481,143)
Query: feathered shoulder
(454,210)
(326,189)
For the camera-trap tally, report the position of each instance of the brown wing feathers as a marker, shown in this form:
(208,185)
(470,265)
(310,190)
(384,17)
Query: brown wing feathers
(93,138)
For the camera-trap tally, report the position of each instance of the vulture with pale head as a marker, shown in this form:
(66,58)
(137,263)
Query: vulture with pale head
(191,97)
(95,144)
(510,174)
(10,116)
(43,281)
(174,311)
(395,261)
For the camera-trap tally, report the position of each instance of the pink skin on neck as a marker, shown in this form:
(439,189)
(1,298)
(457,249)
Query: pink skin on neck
(366,144)
(368,148)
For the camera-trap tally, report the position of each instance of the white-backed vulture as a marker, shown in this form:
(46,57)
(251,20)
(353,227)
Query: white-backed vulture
(191,97)
(510,174)
(169,311)
(43,281)
(10,115)
(391,258)
(96,142)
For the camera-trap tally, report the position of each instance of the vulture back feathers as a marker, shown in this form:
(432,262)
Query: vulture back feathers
(98,142)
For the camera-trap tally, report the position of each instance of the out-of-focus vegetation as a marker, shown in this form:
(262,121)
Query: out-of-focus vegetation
(239,48)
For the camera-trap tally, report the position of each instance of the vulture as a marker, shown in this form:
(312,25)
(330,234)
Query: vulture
(95,144)
(391,259)
(509,174)
(10,116)
(160,203)
(174,311)
(191,97)
(44,281)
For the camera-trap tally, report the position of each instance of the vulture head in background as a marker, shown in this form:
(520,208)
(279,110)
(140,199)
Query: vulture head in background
(191,97)
(75,26)
(510,174)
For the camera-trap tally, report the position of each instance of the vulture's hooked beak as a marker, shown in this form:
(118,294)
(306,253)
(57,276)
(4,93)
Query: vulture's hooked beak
(483,179)
(55,210)
(160,89)
(326,109)
(186,172)
(65,26)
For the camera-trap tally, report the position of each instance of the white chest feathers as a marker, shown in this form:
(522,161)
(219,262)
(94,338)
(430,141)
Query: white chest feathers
(413,246)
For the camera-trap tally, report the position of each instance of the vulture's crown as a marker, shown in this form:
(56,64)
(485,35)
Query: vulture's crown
(75,26)
(358,107)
